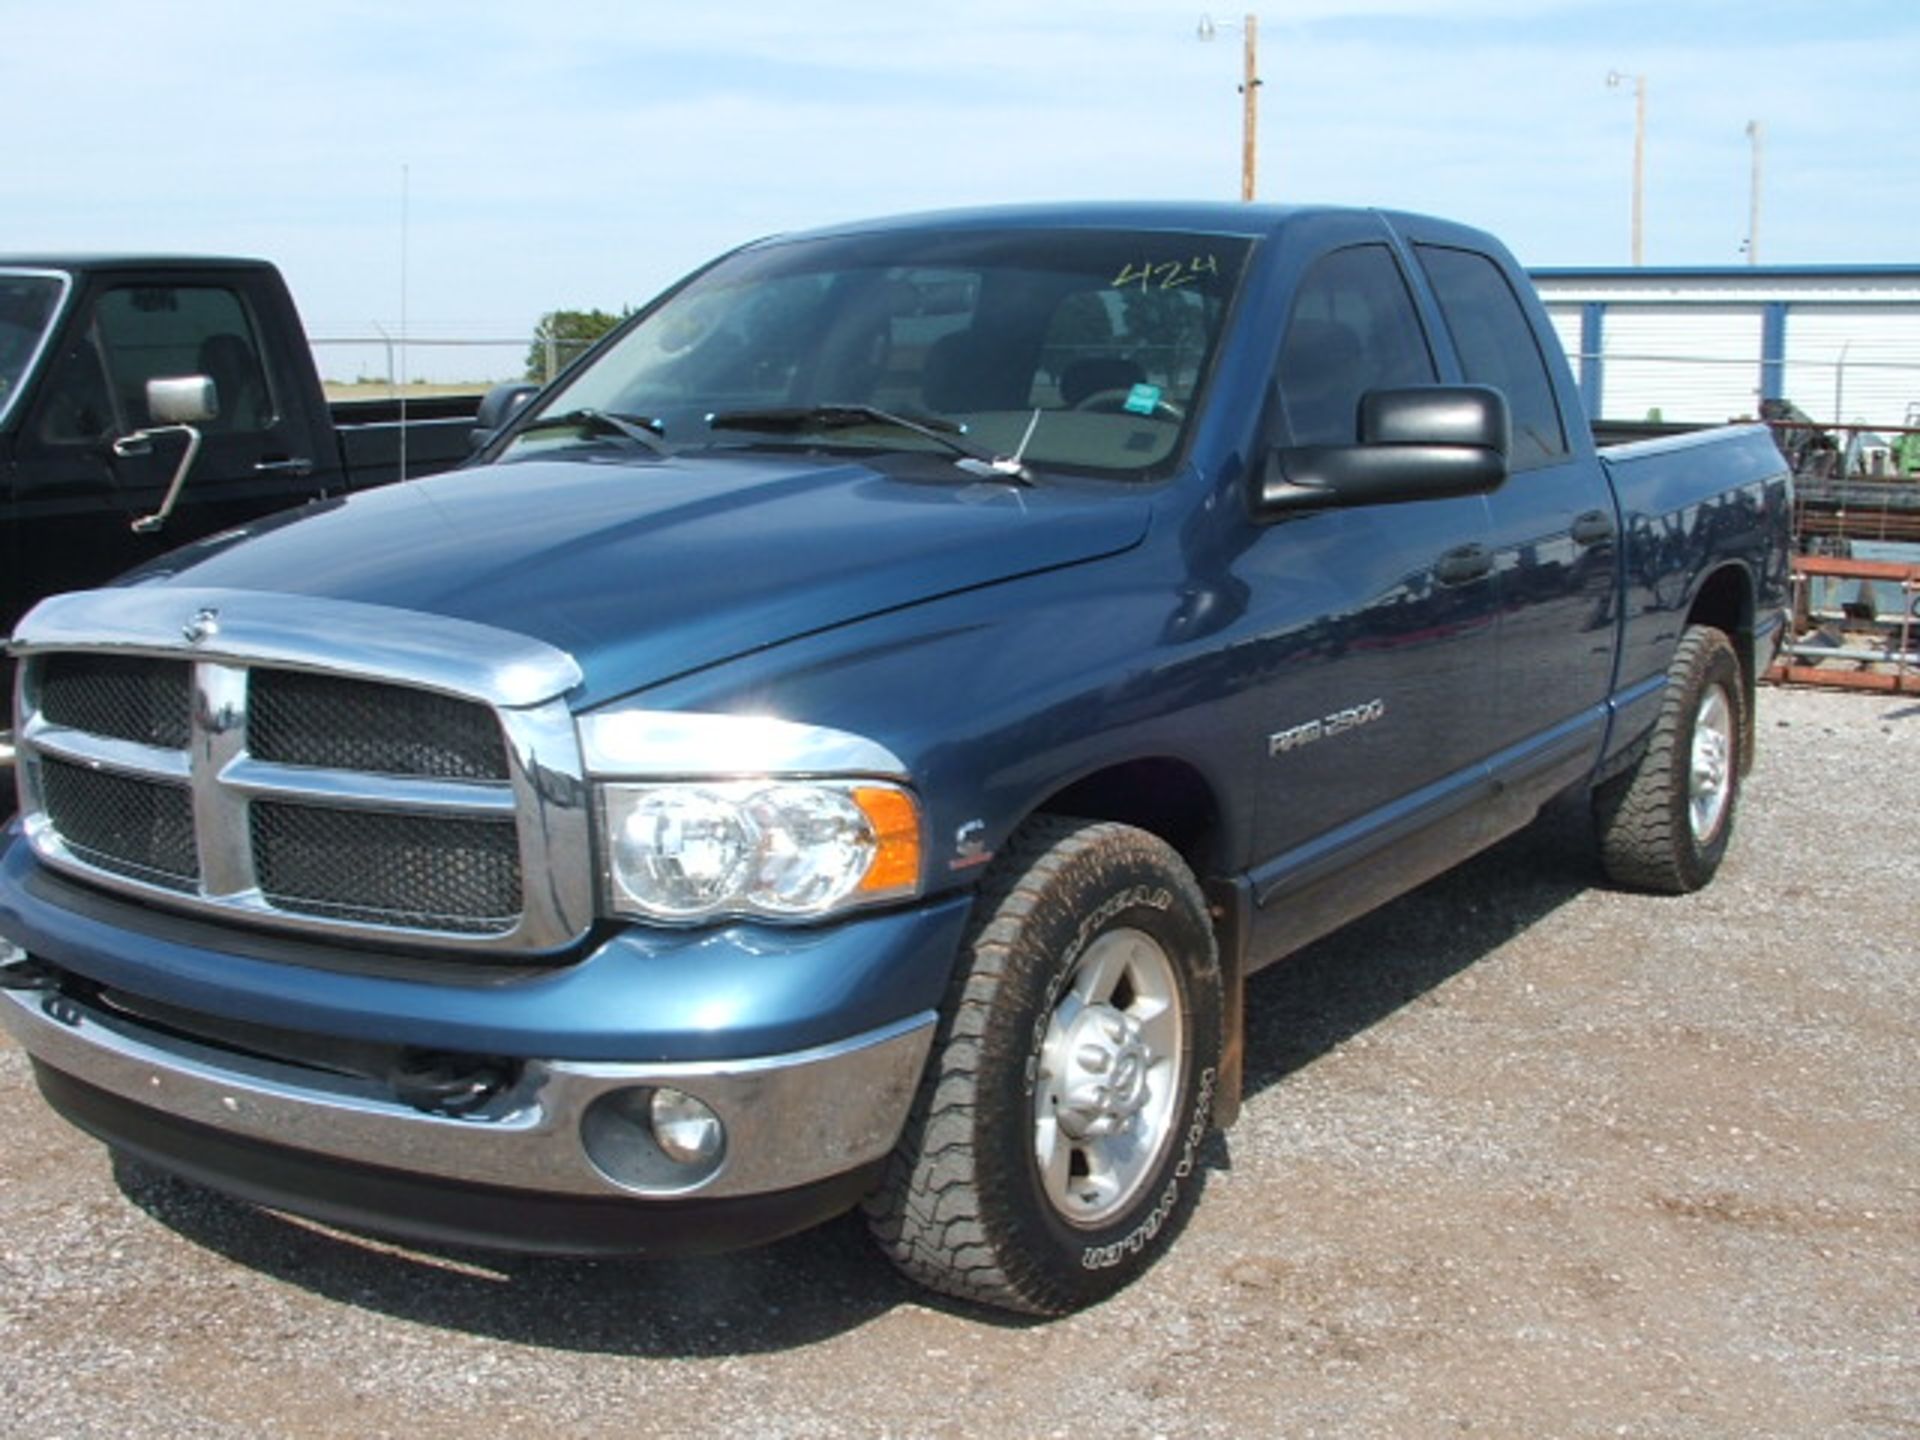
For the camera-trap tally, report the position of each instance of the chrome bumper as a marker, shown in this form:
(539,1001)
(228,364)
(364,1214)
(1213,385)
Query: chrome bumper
(790,1119)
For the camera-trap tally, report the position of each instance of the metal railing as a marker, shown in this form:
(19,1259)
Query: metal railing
(1821,386)
(1851,647)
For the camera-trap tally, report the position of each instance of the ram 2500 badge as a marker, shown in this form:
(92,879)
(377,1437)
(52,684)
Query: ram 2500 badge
(849,742)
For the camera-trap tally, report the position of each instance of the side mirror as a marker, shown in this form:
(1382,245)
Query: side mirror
(1428,442)
(178,406)
(500,405)
(182,400)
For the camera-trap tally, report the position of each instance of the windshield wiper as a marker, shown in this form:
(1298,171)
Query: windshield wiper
(637,428)
(975,459)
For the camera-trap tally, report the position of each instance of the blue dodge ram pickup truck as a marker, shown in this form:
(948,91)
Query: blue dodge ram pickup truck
(849,741)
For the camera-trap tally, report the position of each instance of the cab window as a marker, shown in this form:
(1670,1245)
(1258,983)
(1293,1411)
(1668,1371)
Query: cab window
(150,332)
(1497,347)
(1353,329)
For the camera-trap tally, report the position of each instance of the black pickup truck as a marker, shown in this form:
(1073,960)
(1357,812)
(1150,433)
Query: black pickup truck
(848,742)
(90,449)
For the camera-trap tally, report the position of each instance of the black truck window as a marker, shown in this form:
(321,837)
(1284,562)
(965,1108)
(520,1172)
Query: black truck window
(152,331)
(1353,329)
(27,305)
(1497,347)
(78,407)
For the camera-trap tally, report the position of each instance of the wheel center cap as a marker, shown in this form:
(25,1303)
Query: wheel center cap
(1104,1074)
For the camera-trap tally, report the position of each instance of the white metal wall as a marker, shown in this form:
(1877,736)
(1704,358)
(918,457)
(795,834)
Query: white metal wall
(1685,362)
(1566,324)
(1689,343)
(1848,364)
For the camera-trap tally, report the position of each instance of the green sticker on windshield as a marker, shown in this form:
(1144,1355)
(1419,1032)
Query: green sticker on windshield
(1143,400)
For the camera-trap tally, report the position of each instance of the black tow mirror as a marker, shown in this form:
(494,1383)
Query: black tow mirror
(1424,443)
(500,405)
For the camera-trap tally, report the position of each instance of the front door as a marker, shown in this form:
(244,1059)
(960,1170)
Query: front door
(1376,625)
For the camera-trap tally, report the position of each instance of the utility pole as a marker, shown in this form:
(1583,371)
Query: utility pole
(1614,77)
(1249,96)
(1250,112)
(1758,138)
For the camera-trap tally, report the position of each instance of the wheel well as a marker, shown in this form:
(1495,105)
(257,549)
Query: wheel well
(1726,603)
(1166,797)
(1171,799)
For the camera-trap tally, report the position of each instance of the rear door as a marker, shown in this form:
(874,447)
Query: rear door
(1554,534)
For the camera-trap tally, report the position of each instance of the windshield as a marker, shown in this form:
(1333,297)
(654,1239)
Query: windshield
(28,302)
(1083,349)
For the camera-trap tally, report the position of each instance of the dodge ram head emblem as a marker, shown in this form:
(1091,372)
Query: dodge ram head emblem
(204,623)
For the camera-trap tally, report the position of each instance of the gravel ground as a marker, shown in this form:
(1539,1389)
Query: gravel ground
(1522,1157)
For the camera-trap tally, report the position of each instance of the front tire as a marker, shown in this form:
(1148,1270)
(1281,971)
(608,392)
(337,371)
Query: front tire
(1664,826)
(1052,1151)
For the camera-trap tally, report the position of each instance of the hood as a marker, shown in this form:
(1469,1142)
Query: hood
(647,570)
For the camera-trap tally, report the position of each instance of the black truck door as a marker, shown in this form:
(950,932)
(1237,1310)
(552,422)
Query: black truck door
(77,493)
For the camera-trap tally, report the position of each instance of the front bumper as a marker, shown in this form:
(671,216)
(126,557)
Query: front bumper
(424,1209)
(790,1120)
(267,1067)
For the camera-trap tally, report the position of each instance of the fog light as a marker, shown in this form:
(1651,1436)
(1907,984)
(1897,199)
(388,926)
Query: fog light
(687,1132)
(653,1141)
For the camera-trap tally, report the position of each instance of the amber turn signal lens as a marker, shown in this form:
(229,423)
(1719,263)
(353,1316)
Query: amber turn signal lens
(896,828)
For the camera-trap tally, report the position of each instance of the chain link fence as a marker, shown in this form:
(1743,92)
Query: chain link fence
(379,364)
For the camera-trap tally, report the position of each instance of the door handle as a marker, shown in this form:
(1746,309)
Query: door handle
(1463,564)
(1592,527)
(297,465)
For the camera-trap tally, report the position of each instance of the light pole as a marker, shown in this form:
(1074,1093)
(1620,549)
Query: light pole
(1249,95)
(1614,77)
(1758,139)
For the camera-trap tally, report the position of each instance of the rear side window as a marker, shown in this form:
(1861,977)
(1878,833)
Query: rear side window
(1497,347)
(1353,329)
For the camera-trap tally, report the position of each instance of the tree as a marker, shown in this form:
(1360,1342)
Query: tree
(561,335)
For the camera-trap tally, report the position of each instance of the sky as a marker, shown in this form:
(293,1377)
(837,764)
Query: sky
(472,165)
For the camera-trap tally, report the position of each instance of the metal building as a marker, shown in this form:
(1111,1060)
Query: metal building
(1708,344)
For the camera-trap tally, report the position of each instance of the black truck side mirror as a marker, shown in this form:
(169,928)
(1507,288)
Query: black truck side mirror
(1425,442)
(178,405)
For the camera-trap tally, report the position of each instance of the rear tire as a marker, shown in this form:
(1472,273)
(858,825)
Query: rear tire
(1665,824)
(1053,1150)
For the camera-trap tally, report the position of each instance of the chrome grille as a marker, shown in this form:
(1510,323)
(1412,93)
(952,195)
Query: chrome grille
(136,828)
(323,768)
(127,697)
(418,872)
(301,719)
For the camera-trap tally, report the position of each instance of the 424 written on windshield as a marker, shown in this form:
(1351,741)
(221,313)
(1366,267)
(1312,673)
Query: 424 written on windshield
(1166,274)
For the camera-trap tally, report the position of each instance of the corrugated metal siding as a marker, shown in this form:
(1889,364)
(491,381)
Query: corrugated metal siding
(1704,329)
(1688,362)
(1566,324)
(1849,364)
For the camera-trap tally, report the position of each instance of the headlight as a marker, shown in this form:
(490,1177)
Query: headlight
(780,849)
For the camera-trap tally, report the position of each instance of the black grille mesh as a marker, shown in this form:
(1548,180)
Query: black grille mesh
(417,871)
(124,697)
(142,829)
(300,719)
